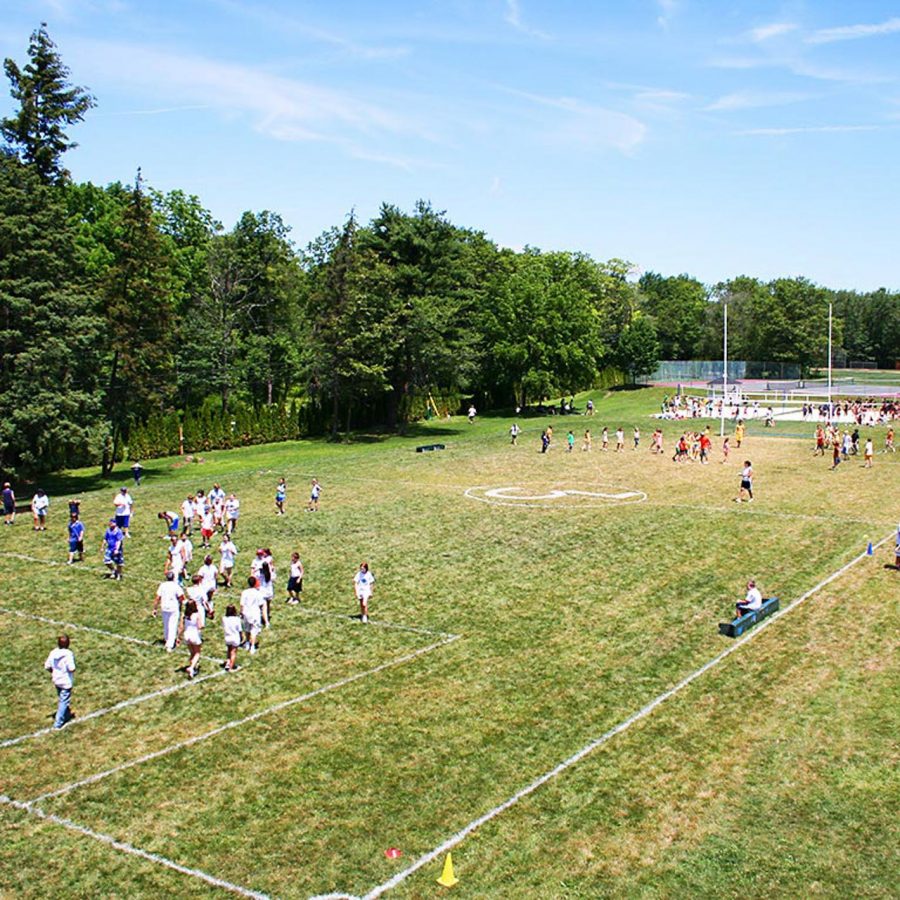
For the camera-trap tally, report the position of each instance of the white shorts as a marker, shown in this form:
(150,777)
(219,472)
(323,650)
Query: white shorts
(252,627)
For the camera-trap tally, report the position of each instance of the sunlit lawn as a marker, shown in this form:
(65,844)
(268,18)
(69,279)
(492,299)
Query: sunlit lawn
(775,773)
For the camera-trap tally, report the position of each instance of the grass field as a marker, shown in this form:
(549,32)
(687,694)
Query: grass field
(505,638)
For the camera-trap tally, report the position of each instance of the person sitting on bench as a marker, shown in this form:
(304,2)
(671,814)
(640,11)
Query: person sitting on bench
(752,601)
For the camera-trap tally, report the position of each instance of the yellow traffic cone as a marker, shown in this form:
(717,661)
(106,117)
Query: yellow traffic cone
(448,879)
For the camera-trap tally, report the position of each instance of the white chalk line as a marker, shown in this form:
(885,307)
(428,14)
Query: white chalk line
(132,850)
(236,723)
(123,704)
(602,501)
(624,725)
(111,634)
(746,509)
(305,610)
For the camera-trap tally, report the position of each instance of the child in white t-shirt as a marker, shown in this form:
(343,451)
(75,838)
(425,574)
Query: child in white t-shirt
(231,626)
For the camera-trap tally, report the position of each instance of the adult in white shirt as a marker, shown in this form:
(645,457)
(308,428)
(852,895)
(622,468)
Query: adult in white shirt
(363,585)
(253,613)
(123,502)
(752,601)
(168,600)
(61,664)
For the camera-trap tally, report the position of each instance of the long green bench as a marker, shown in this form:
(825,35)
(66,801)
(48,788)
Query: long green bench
(738,626)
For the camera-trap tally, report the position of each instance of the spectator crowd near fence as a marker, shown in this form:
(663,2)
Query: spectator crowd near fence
(868,412)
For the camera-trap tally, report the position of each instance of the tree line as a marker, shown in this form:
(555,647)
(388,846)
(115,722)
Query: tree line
(130,317)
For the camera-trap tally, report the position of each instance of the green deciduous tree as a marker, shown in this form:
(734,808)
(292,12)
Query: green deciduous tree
(47,105)
(678,305)
(638,349)
(430,301)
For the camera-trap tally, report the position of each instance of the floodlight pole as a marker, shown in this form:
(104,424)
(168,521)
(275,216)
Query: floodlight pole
(724,368)
(830,405)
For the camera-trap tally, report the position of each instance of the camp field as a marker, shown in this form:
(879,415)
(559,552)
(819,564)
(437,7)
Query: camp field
(526,605)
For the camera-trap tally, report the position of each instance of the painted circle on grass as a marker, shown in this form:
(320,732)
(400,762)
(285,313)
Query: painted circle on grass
(553,496)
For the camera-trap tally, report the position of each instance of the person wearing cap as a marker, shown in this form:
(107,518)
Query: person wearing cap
(752,601)
(137,470)
(113,550)
(123,502)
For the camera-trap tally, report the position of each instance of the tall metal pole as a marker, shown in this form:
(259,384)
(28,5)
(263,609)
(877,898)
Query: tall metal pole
(830,405)
(724,369)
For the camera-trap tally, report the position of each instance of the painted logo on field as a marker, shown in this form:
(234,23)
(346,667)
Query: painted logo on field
(549,496)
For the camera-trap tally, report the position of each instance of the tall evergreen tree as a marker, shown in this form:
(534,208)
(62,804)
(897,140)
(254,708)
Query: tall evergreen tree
(47,104)
(49,331)
(139,314)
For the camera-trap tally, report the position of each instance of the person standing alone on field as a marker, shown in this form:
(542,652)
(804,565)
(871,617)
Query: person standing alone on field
(363,585)
(315,491)
(9,505)
(514,433)
(746,483)
(61,665)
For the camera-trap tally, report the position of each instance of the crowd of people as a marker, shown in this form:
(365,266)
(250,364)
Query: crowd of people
(185,599)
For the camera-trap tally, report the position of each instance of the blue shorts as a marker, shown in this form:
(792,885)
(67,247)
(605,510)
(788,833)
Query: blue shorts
(174,525)
(76,546)
(122,521)
(110,557)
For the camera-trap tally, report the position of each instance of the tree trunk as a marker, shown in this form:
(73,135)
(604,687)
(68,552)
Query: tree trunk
(335,409)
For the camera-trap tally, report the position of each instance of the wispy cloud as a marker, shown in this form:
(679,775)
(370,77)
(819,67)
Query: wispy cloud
(513,16)
(767,32)
(811,129)
(153,112)
(285,23)
(667,10)
(282,108)
(853,32)
(755,100)
(587,125)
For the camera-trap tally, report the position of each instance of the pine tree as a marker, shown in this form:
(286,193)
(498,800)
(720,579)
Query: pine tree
(138,305)
(49,331)
(47,103)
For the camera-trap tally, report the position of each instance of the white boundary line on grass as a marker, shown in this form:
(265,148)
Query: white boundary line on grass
(306,610)
(110,634)
(236,723)
(156,645)
(133,851)
(123,704)
(624,725)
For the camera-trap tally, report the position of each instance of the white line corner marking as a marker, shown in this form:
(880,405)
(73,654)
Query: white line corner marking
(131,850)
(624,725)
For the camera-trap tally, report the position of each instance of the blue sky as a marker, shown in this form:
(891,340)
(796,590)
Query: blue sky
(717,139)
